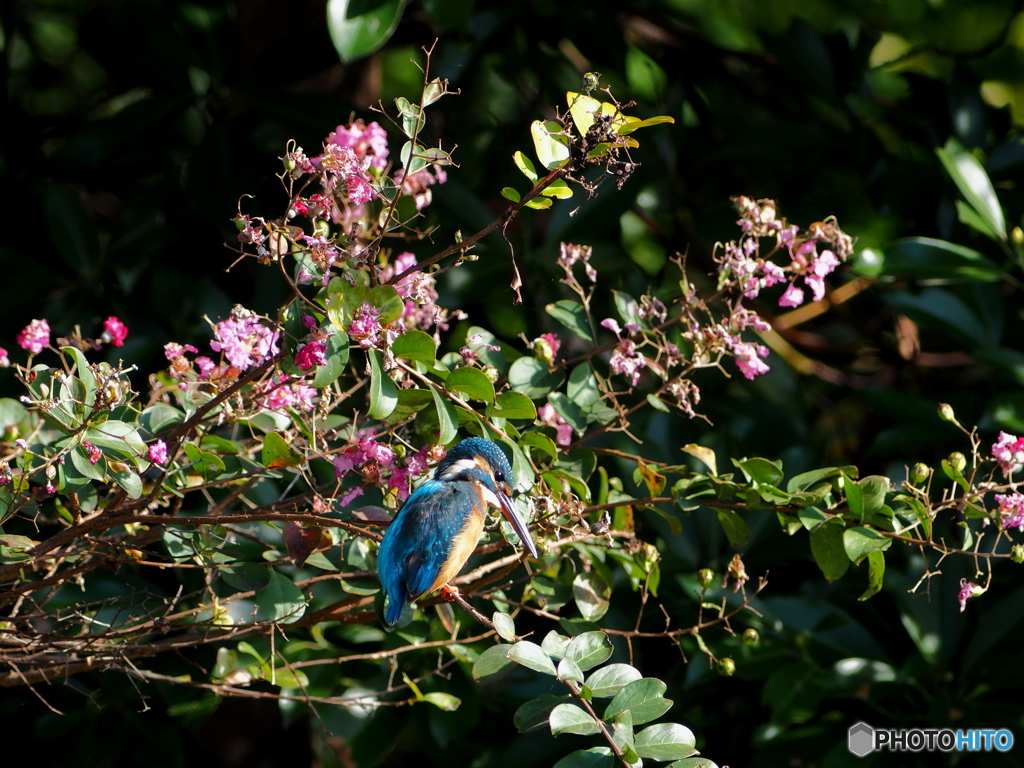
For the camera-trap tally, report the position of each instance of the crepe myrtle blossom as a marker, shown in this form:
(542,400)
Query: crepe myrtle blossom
(34,336)
(419,291)
(569,254)
(285,392)
(748,357)
(157,452)
(5,362)
(547,415)
(114,331)
(1008,450)
(368,142)
(342,165)
(968,590)
(1011,510)
(311,355)
(365,326)
(625,359)
(244,340)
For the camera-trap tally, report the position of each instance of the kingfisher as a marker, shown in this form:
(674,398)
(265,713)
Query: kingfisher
(438,527)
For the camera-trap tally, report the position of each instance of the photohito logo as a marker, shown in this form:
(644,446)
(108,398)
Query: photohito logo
(862,739)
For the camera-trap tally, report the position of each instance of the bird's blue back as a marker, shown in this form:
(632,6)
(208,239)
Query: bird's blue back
(419,540)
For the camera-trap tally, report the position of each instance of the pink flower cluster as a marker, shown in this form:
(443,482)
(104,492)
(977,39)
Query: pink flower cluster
(34,336)
(282,392)
(546,414)
(181,366)
(1011,510)
(368,142)
(813,255)
(114,331)
(968,590)
(378,465)
(625,359)
(418,184)
(1008,450)
(157,452)
(569,254)
(419,291)
(244,340)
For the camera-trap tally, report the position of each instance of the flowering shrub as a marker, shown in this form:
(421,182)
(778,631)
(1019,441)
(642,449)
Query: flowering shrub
(239,469)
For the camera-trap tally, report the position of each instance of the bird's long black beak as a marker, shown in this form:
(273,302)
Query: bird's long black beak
(509,512)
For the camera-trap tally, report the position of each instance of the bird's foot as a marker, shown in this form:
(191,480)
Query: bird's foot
(450,593)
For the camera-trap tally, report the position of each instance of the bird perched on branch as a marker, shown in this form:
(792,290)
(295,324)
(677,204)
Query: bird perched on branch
(437,529)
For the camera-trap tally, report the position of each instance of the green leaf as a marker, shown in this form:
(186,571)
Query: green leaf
(735,527)
(444,701)
(280,601)
(513,405)
(555,644)
(591,594)
(524,164)
(246,577)
(530,377)
(937,261)
(550,143)
(627,307)
(335,360)
(828,550)
(471,382)
(665,741)
(860,541)
(277,453)
(505,626)
(589,649)
(973,182)
(448,420)
(761,471)
(596,757)
(358,29)
(569,670)
(491,661)
(383,392)
(608,681)
(866,496)
(205,464)
(415,345)
(876,574)
(386,299)
(80,460)
(705,455)
(572,718)
(511,193)
(410,401)
(557,189)
(643,698)
(569,411)
(693,762)
(118,436)
(536,713)
(583,388)
(572,315)
(531,655)
(541,442)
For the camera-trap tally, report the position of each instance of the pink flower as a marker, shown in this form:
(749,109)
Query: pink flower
(748,358)
(365,327)
(1008,450)
(546,414)
(94,452)
(34,336)
(282,392)
(968,590)
(792,296)
(368,142)
(157,452)
(5,361)
(350,495)
(341,164)
(311,355)
(417,184)
(244,340)
(114,331)
(1011,510)
(628,361)
(569,254)
(173,350)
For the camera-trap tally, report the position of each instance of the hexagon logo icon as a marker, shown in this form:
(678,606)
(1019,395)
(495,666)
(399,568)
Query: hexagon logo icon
(860,739)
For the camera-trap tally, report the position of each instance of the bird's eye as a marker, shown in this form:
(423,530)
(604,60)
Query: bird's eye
(499,476)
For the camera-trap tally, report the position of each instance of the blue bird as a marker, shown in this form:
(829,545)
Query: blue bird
(438,527)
